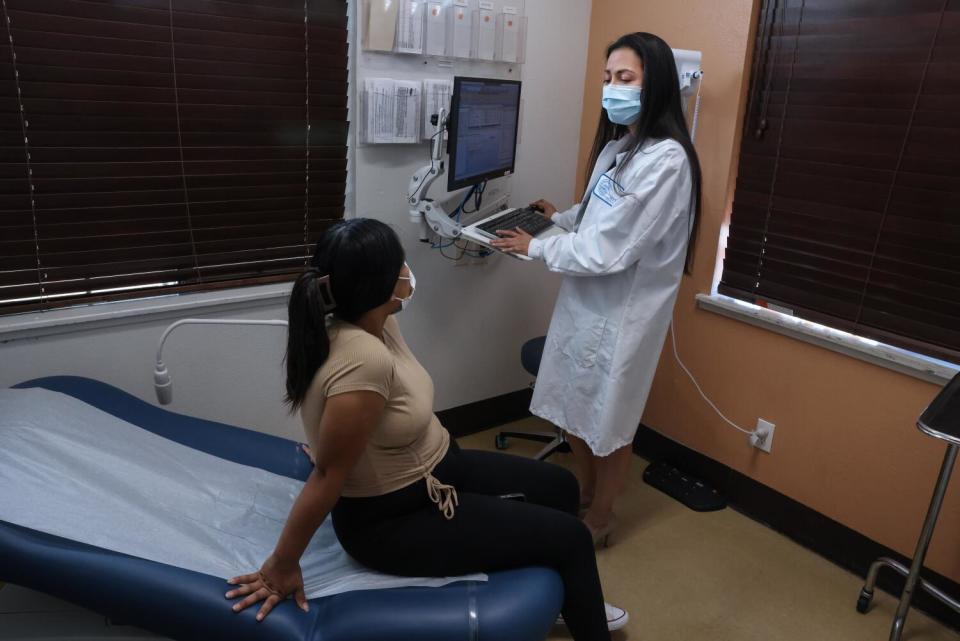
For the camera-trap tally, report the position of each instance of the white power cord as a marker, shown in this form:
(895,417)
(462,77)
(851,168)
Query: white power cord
(759,437)
(676,354)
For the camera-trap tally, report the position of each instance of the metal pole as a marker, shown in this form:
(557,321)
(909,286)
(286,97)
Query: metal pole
(924,542)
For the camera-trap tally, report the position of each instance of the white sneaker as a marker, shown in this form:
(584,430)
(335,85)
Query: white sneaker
(616,617)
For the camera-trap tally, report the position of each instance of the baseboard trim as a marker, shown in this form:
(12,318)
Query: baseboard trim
(828,538)
(482,415)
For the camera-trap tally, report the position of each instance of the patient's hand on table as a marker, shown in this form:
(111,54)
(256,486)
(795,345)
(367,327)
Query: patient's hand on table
(275,582)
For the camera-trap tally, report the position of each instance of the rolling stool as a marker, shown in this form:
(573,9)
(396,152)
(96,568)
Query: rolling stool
(941,420)
(530,355)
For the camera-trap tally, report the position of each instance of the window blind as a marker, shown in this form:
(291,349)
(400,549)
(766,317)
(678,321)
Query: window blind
(847,203)
(155,146)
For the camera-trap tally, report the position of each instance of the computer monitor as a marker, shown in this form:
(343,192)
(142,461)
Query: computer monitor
(482,142)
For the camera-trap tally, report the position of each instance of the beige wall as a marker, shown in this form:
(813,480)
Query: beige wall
(845,444)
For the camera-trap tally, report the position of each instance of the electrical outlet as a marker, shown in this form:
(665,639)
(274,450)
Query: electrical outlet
(762,437)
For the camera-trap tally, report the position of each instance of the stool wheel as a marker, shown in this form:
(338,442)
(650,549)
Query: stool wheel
(500,442)
(863,604)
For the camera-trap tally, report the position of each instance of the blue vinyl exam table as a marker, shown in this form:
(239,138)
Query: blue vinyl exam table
(515,605)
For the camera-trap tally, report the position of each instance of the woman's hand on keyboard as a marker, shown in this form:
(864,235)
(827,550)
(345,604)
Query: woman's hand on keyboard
(277,580)
(545,207)
(513,242)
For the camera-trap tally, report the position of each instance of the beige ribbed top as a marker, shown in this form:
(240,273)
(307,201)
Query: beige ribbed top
(409,441)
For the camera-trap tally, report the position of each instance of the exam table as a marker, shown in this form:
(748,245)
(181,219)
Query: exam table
(514,605)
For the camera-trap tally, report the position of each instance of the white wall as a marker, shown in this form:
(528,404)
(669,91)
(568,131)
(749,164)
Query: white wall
(466,324)
(227,374)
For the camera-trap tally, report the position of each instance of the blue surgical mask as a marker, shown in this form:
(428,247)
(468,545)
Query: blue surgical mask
(622,103)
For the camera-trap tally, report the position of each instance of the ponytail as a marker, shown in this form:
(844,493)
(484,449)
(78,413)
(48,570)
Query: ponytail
(308,344)
(354,269)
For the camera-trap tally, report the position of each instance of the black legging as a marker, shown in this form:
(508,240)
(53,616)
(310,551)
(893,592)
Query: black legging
(404,533)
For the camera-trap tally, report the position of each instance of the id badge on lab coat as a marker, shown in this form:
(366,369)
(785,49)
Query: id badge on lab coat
(608,190)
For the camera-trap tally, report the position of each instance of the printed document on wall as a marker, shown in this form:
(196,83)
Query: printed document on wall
(391,111)
(407,111)
(437,94)
(488,31)
(410,27)
(511,35)
(462,29)
(436,44)
(379,97)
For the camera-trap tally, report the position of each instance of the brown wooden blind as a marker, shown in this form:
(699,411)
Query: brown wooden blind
(847,203)
(166,145)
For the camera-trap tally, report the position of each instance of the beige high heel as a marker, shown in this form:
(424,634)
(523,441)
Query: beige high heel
(601,536)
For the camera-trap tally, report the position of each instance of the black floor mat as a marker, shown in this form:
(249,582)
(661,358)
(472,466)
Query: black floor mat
(689,490)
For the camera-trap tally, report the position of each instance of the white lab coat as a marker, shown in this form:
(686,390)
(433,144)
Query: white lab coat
(622,269)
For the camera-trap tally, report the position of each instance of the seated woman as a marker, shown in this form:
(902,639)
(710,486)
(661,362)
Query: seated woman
(405,499)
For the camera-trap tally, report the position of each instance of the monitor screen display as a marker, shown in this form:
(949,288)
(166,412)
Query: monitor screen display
(483,130)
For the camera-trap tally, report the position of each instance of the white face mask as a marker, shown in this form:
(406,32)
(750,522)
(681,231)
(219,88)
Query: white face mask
(413,287)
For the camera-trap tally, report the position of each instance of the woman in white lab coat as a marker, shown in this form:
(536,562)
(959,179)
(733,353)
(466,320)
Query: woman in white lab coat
(630,240)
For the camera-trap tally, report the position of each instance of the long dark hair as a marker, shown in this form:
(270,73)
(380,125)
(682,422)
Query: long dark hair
(661,116)
(362,258)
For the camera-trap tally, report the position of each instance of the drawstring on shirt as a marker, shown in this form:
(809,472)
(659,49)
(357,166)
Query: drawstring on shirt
(445,496)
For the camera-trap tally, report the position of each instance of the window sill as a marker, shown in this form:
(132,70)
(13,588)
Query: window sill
(899,360)
(144,310)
